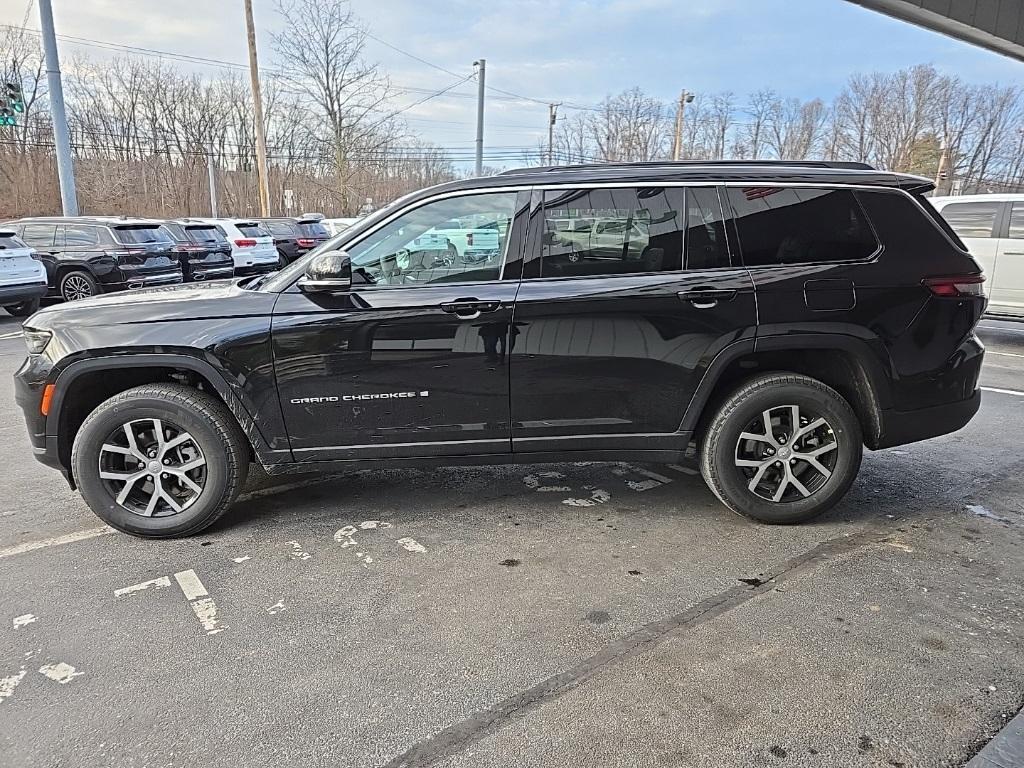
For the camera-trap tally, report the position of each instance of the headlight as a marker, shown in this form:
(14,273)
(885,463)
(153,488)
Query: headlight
(36,340)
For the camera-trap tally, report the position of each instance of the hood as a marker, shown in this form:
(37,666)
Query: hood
(189,301)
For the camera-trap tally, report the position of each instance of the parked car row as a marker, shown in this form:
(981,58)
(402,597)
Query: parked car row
(77,257)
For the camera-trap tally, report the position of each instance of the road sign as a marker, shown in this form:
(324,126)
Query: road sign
(289,199)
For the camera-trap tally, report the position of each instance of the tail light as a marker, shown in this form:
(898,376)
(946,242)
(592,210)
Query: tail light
(469,239)
(189,248)
(245,243)
(305,242)
(956,286)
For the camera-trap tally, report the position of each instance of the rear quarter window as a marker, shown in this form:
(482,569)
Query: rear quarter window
(141,235)
(800,225)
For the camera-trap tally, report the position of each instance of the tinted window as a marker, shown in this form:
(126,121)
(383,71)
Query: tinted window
(972,219)
(204,235)
(628,231)
(313,229)
(141,235)
(39,235)
(413,250)
(175,230)
(253,230)
(80,236)
(783,225)
(1017,221)
(8,241)
(279,228)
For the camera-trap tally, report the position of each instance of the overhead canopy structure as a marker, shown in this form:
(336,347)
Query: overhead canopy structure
(994,24)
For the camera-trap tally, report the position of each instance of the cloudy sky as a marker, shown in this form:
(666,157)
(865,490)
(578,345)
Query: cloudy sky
(574,51)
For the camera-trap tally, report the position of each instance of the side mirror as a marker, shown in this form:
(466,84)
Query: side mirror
(328,272)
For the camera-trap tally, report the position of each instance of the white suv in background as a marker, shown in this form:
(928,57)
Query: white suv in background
(992,228)
(22,278)
(252,246)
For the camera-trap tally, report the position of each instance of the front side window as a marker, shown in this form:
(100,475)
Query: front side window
(420,246)
(597,232)
(791,225)
(79,236)
(972,219)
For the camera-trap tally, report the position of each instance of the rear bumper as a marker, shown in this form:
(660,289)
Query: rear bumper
(15,294)
(145,281)
(199,274)
(256,269)
(901,427)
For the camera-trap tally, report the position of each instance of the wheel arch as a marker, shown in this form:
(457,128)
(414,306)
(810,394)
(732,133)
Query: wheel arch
(846,363)
(94,375)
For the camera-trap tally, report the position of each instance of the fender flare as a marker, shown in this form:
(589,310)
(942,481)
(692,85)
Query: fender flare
(65,379)
(878,379)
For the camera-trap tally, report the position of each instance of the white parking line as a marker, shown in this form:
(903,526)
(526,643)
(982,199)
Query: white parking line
(1004,354)
(1014,392)
(1000,329)
(10,335)
(190,585)
(158,583)
(30,546)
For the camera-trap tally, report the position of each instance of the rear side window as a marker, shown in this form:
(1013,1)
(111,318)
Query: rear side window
(253,230)
(80,236)
(141,235)
(39,235)
(790,225)
(9,241)
(1017,221)
(972,219)
(316,229)
(205,235)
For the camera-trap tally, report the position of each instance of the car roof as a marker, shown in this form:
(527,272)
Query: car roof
(105,221)
(711,172)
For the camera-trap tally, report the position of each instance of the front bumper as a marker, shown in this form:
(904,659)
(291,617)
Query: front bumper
(15,294)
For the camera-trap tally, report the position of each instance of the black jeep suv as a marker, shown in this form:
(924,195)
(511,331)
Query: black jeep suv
(772,318)
(88,255)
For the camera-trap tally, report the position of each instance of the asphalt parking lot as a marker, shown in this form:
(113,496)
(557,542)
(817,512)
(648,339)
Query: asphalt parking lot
(585,615)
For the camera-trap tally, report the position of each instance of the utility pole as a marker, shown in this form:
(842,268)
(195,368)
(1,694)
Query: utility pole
(942,173)
(65,167)
(211,172)
(552,117)
(257,101)
(481,66)
(685,97)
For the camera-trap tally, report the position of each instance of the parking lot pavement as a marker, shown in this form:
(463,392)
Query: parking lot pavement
(593,615)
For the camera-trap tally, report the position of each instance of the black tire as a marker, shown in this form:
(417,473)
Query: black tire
(23,308)
(77,284)
(282,259)
(722,446)
(215,431)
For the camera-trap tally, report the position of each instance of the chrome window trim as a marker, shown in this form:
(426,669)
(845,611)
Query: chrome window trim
(542,187)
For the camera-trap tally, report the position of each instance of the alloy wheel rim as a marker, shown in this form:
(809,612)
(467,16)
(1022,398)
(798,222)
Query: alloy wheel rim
(786,455)
(76,287)
(152,468)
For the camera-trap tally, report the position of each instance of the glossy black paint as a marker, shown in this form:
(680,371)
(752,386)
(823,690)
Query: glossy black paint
(115,266)
(593,367)
(200,260)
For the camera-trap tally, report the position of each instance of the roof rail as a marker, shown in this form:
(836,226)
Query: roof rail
(656,164)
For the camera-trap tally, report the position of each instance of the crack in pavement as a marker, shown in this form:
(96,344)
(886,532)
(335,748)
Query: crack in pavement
(458,737)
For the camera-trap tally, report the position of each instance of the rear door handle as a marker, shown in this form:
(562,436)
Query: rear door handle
(704,298)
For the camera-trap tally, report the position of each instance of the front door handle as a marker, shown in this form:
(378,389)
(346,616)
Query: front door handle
(470,309)
(705,298)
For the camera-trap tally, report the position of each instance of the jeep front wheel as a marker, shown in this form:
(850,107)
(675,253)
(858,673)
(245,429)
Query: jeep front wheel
(160,460)
(783,448)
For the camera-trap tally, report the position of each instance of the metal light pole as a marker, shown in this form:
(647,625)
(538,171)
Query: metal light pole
(262,174)
(481,71)
(65,166)
(211,172)
(685,97)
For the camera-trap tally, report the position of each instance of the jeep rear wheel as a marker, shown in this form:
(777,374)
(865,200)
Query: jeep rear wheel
(784,448)
(160,460)
(77,285)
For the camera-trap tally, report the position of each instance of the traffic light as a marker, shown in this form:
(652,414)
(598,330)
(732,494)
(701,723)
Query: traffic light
(14,96)
(7,114)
